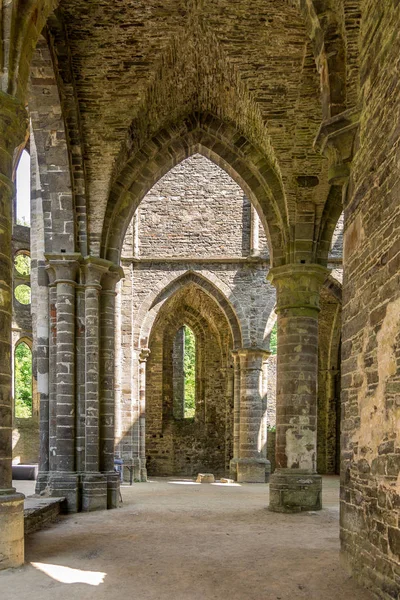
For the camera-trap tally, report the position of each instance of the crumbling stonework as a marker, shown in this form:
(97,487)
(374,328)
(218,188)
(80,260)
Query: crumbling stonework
(297,102)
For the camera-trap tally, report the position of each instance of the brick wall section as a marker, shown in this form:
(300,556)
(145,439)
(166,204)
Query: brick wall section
(196,205)
(370,502)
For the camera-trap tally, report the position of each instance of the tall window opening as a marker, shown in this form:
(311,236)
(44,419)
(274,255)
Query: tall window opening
(184,373)
(23,381)
(23,185)
(189,369)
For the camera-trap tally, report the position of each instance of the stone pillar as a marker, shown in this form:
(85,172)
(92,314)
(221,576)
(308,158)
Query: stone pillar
(295,486)
(252,467)
(13,125)
(143,356)
(45,356)
(254,232)
(80,377)
(236,415)
(264,404)
(107,377)
(94,483)
(52,369)
(229,416)
(63,481)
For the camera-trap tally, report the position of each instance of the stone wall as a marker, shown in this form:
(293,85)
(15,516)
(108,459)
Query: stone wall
(194,237)
(370,501)
(196,210)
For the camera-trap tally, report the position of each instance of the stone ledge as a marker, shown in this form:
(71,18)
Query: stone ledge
(40,512)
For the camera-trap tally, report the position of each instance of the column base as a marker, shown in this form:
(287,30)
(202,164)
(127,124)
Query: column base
(113,483)
(94,491)
(139,470)
(65,485)
(253,470)
(42,482)
(295,490)
(11,529)
(233,468)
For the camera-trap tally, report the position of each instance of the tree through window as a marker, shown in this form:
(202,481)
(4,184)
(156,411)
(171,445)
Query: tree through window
(23,381)
(184,374)
(189,368)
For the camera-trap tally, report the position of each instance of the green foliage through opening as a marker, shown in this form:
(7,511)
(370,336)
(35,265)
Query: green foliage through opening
(273,340)
(23,294)
(23,381)
(189,366)
(22,264)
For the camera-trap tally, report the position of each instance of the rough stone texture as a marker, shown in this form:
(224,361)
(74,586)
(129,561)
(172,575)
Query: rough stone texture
(370,440)
(194,243)
(123,94)
(41,512)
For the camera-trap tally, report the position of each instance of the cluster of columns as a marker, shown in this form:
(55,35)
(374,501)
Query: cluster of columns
(77,423)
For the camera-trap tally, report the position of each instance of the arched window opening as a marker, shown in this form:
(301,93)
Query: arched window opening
(184,374)
(22,264)
(189,367)
(22,294)
(23,185)
(23,381)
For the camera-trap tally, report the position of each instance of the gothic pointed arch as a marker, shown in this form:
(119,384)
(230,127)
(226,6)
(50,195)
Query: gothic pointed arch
(152,305)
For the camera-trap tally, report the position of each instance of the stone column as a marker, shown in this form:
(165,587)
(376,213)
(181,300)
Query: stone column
(236,415)
(252,467)
(13,126)
(143,356)
(45,347)
(94,483)
(80,371)
(64,480)
(295,485)
(229,416)
(264,404)
(107,378)
(52,369)
(254,232)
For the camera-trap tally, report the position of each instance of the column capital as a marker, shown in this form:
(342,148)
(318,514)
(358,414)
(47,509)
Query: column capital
(144,354)
(94,268)
(65,266)
(298,286)
(335,140)
(253,352)
(111,277)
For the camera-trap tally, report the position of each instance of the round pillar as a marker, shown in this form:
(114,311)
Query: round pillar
(252,466)
(295,485)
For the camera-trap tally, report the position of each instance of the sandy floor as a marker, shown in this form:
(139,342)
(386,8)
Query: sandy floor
(178,541)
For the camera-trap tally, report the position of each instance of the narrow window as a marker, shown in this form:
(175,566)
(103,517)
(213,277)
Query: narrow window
(273,340)
(23,381)
(23,184)
(184,373)
(189,367)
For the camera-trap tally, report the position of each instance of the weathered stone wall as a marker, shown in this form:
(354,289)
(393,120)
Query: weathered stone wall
(370,501)
(177,446)
(195,230)
(196,210)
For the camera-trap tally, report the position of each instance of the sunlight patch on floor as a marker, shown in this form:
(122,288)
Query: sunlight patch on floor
(68,575)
